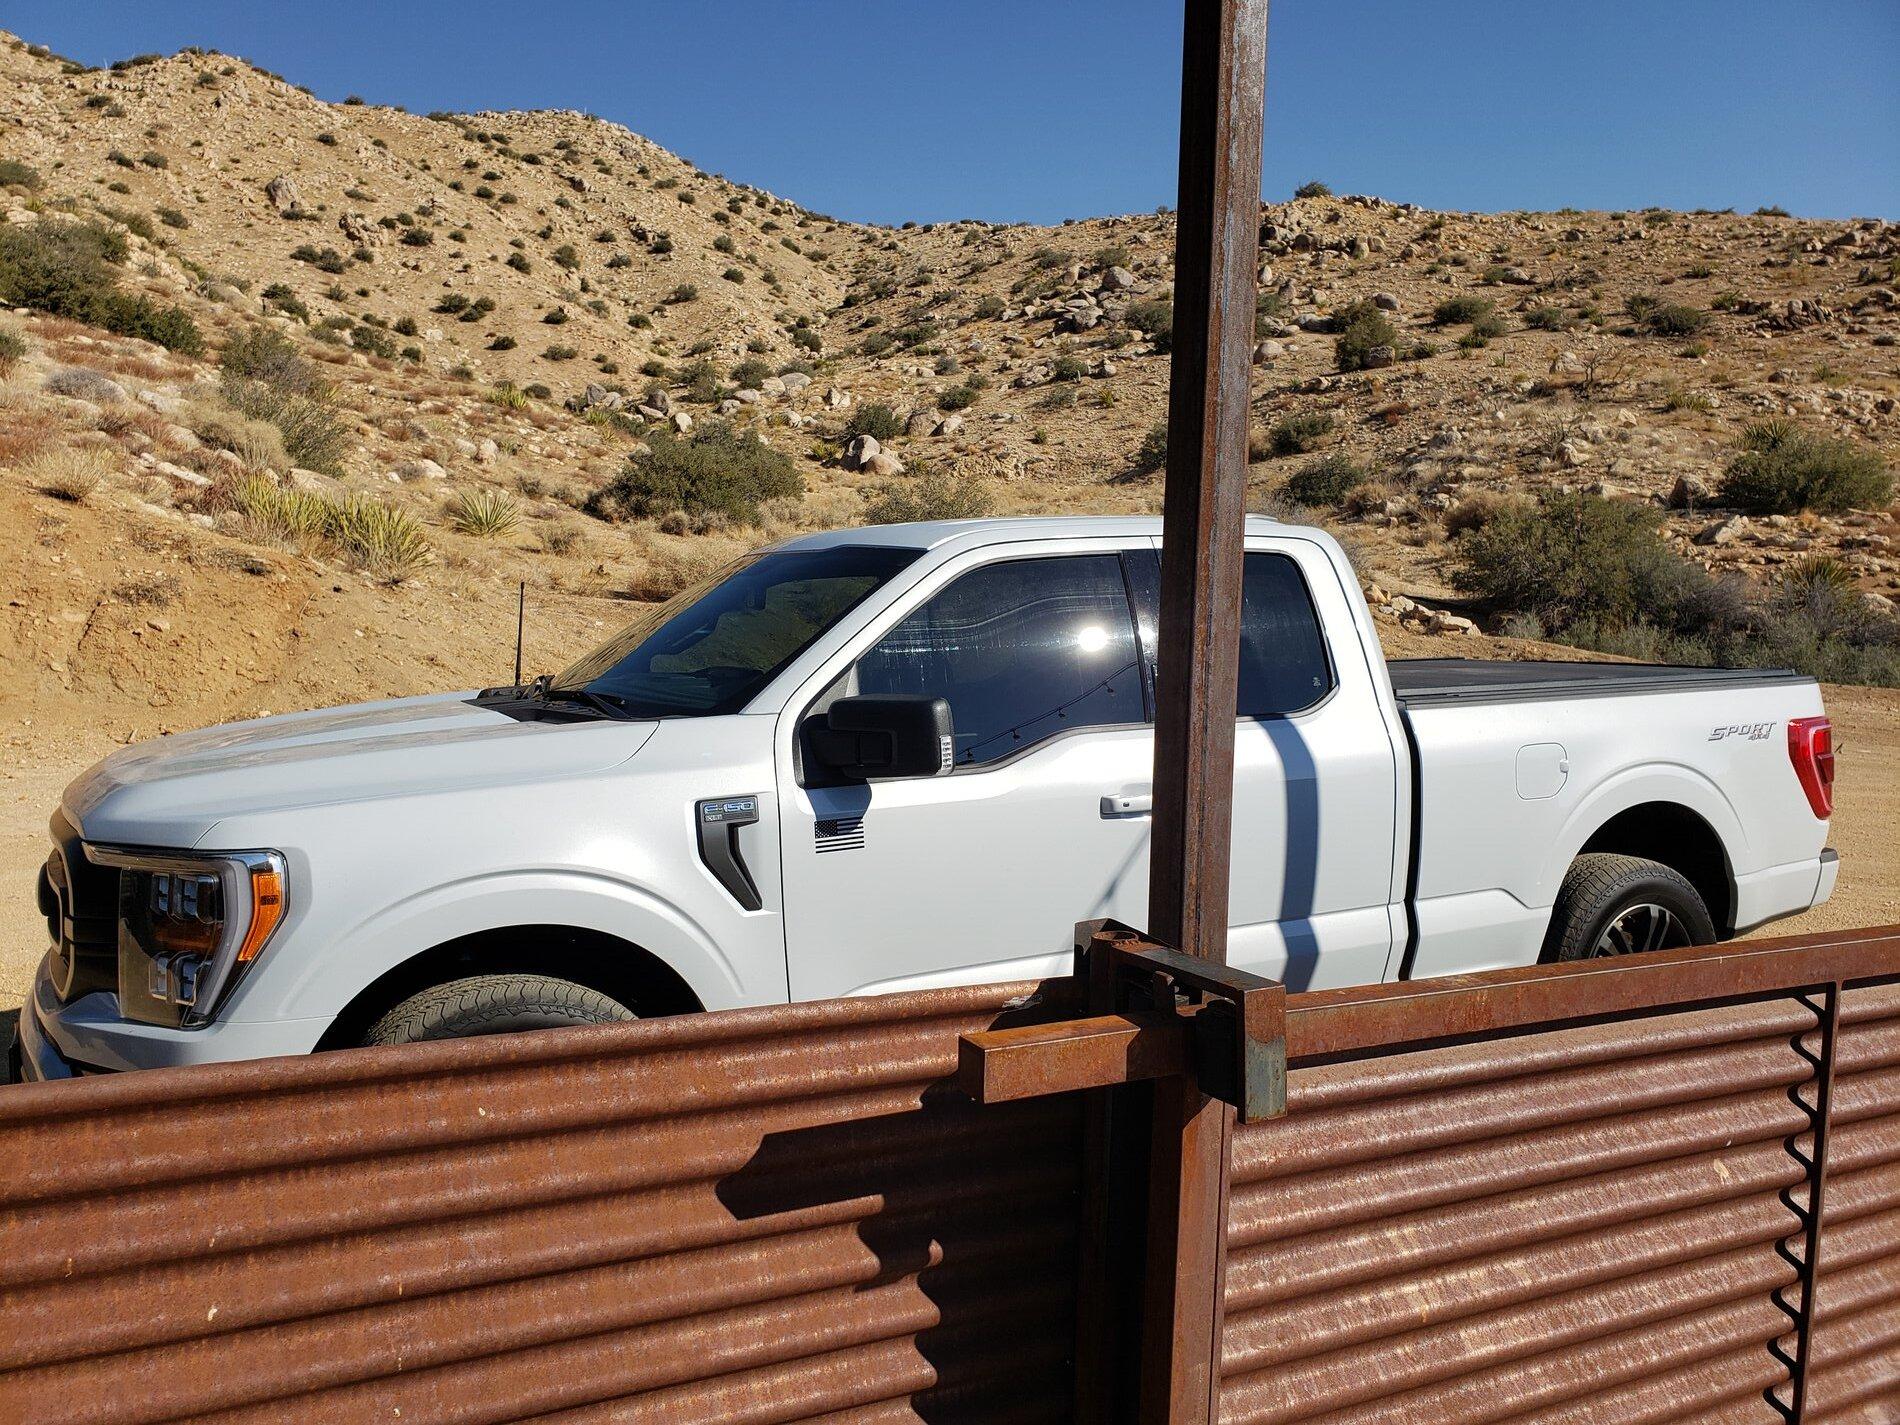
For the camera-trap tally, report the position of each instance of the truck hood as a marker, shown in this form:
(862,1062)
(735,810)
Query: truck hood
(171,791)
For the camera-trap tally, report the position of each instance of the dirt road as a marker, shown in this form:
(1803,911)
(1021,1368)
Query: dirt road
(1866,828)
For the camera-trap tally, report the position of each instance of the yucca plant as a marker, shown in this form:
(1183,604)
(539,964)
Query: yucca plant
(385,542)
(293,516)
(509,396)
(486,514)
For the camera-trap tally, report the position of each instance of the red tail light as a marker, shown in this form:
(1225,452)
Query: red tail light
(1811,749)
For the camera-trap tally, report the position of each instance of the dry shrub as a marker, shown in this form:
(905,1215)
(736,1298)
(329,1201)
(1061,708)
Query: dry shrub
(663,566)
(71,473)
(258,443)
(1478,509)
(156,589)
(23,434)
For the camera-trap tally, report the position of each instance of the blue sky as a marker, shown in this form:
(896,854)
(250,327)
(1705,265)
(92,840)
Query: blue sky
(1038,110)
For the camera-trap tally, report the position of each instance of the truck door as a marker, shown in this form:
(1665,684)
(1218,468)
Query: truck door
(979,874)
(1315,779)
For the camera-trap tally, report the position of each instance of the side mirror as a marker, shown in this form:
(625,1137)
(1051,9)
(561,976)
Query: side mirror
(885,735)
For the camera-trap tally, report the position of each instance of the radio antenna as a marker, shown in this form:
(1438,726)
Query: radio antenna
(521,615)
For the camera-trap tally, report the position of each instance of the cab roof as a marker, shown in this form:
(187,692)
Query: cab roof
(933,534)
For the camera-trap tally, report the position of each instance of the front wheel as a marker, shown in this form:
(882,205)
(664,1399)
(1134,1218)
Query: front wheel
(1624,905)
(494,1004)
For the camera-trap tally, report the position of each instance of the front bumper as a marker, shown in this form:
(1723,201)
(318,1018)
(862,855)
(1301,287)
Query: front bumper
(33,1059)
(55,1041)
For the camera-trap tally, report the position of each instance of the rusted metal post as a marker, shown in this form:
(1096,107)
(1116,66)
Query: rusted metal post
(1223,89)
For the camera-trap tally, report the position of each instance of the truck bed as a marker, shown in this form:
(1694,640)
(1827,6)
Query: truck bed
(1428,682)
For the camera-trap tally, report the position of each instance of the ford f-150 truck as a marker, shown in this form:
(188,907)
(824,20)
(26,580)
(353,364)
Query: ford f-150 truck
(890,758)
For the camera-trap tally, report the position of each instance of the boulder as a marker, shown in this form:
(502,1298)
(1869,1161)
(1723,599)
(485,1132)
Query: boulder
(884,464)
(283,194)
(860,451)
(1380,356)
(949,425)
(921,423)
(1688,492)
(1117,279)
(1385,301)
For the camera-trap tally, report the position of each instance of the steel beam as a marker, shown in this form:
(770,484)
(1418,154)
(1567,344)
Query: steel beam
(1223,89)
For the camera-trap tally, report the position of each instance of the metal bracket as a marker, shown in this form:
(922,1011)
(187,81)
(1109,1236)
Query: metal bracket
(1172,1014)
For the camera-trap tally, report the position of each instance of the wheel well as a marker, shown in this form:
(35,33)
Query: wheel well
(636,977)
(1680,840)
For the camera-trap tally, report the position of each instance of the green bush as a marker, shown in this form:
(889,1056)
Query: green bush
(1297,434)
(67,270)
(701,380)
(264,354)
(1675,319)
(750,373)
(1491,324)
(1154,318)
(714,471)
(1465,308)
(266,379)
(1324,481)
(566,257)
(1784,468)
(956,398)
(1070,368)
(929,492)
(1570,558)
(12,349)
(1313,189)
(1363,327)
(876,420)
(14,174)
(1548,319)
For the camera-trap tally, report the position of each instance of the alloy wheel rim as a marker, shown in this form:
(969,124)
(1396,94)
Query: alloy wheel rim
(1640,928)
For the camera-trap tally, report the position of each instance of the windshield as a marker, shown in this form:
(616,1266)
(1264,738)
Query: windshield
(710,648)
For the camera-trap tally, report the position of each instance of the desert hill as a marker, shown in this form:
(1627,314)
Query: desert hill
(473,322)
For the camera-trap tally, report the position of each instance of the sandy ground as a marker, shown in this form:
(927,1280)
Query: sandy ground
(1866,831)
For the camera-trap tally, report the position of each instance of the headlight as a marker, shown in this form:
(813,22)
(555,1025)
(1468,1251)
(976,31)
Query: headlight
(189,927)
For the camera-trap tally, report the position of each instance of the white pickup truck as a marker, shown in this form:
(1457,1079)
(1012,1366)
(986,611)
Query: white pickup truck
(890,758)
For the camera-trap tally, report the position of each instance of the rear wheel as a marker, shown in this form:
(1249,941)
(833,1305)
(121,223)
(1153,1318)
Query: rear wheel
(1624,905)
(494,1004)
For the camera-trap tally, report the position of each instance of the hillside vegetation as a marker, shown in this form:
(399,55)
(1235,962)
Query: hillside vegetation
(294,393)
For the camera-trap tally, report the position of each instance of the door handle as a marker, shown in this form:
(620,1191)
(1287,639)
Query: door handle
(1128,804)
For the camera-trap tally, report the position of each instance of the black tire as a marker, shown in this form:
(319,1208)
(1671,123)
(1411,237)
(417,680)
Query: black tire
(1614,905)
(494,1004)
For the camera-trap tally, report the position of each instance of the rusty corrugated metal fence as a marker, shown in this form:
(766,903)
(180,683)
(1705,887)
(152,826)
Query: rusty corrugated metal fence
(1608,1221)
(752,1216)
(1565,1194)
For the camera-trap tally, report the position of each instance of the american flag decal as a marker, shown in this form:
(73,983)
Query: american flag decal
(844,833)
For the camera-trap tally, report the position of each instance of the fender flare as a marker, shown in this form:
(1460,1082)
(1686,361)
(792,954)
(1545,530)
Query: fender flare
(411,927)
(1667,782)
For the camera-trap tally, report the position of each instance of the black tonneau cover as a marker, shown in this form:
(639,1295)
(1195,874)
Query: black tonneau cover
(1425,682)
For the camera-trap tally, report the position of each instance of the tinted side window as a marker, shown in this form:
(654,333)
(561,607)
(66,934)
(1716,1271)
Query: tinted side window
(1023,650)
(1283,663)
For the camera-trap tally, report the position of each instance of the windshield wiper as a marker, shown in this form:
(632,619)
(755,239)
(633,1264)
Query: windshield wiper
(606,704)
